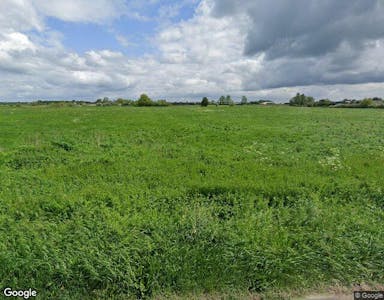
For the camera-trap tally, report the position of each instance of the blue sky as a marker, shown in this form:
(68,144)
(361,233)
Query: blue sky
(130,33)
(186,49)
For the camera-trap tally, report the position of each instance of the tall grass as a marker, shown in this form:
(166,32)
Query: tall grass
(137,202)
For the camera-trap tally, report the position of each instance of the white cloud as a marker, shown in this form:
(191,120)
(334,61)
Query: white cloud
(81,10)
(89,77)
(15,41)
(195,58)
(123,40)
(19,15)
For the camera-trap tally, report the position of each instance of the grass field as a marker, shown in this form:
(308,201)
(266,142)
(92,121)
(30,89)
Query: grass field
(138,202)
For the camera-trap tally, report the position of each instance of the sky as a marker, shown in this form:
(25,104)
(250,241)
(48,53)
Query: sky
(182,50)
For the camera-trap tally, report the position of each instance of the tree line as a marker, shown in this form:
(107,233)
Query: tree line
(301,100)
(308,101)
(227,100)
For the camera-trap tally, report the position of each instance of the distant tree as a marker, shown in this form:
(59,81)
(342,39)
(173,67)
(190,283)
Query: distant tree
(228,100)
(104,102)
(162,102)
(120,101)
(225,100)
(323,102)
(367,102)
(244,100)
(204,102)
(144,100)
(302,100)
(123,102)
(221,100)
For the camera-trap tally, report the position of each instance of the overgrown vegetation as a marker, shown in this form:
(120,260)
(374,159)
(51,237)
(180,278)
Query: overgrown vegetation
(135,202)
(303,100)
(144,100)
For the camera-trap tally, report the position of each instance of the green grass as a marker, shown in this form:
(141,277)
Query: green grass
(137,202)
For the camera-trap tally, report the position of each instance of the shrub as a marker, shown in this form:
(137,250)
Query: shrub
(302,100)
(144,100)
(367,102)
(204,102)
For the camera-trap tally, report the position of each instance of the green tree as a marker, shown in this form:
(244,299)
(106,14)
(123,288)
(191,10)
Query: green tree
(162,102)
(302,100)
(144,100)
(244,100)
(221,100)
(204,102)
(367,102)
(119,101)
(323,102)
(228,100)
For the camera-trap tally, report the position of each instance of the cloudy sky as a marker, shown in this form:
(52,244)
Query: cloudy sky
(186,49)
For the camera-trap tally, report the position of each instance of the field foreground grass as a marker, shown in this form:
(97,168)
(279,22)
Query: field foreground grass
(102,202)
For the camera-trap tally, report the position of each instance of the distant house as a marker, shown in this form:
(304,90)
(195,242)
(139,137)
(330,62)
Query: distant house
(347,101)
(266,102)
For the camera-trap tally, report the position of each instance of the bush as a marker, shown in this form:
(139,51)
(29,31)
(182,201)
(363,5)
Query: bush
(144,100)
(162,103)
(323,102)
(367,102)
(302,100)
(204,102)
